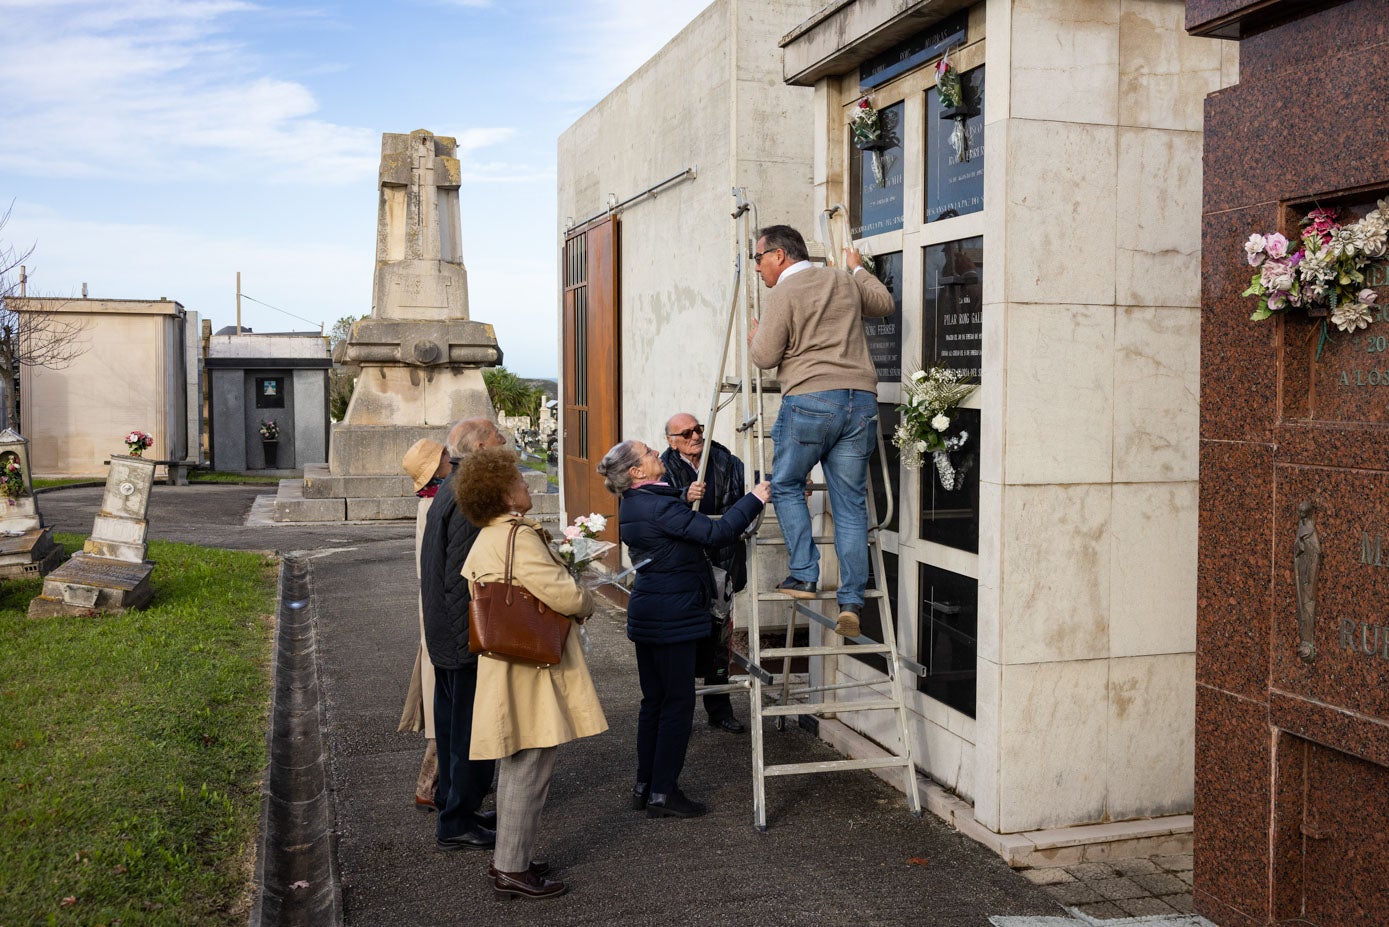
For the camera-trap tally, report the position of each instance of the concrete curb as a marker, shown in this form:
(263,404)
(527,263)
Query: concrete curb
(296,870)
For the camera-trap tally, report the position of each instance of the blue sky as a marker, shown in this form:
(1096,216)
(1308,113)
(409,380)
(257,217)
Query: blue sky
(156,147)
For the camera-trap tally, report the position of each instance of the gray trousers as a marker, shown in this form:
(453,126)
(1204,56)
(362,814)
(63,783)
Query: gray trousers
(523,782)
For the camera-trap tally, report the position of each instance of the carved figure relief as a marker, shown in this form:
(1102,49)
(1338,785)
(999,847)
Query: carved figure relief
(1306,562)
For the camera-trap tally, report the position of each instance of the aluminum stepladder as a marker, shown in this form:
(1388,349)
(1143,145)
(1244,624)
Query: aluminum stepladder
(748,386)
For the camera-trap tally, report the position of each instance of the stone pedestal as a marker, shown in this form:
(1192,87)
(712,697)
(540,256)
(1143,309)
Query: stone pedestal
(1292,709)
(28,554)
(110,573)
(26,545)
(420,357)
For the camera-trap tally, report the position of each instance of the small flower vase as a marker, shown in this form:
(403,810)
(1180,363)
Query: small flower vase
(272,453)
(951,473)
(880,166)
(137,452)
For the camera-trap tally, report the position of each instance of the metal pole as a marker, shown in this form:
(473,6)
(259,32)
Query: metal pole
(238,302)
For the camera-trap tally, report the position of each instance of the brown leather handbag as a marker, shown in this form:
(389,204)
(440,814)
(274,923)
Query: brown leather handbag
(506,621)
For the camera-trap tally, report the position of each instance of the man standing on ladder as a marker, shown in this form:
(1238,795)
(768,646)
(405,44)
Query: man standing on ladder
(812,330)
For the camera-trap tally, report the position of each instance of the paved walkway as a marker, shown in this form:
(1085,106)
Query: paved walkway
(841,848)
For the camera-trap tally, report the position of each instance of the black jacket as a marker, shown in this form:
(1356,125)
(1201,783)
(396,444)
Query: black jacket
(444,595)
(671,596)
(724,479)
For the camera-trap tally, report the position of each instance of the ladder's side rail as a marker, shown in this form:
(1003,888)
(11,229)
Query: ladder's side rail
(887,486)
(889,624)
(736,289)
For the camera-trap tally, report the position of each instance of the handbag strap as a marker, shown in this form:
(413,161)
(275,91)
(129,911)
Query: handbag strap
(510,556)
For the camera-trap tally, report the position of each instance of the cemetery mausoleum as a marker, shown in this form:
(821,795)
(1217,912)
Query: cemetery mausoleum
(1040,228)
(136,368)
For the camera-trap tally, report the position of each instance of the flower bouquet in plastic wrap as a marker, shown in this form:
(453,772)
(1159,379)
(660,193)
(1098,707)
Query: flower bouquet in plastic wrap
(580,546)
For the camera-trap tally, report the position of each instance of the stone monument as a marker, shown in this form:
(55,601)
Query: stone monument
(420,355)
(1292,645)
(110,573)
(26,546)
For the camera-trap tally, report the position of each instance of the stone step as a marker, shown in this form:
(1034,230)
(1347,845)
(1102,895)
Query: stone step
(291,506)
(321,484)
(382,509)
(544,503)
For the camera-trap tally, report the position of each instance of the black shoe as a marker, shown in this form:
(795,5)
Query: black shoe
(640,791)
(537,868)
(474,838)
(796,588)
(526,885)
(674,805)
(486,819)
(730,724)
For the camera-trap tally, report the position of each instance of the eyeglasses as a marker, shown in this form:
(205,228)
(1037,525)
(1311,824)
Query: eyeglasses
(759,255)
(688,433)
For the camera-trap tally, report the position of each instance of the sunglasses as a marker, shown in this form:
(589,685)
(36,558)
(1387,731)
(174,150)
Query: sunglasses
(688,433)
(757,256)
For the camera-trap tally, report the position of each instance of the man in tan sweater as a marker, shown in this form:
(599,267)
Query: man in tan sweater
(812,330)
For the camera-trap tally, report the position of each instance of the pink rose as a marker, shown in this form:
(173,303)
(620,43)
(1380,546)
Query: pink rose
(1367,296)
(573,532)
(1276,275)
(1276,245)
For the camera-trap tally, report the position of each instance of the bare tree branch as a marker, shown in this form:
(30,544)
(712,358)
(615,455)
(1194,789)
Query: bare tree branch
(34,332)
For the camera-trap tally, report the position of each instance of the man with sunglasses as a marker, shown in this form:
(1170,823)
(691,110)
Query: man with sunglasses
(812,332)
(721,488)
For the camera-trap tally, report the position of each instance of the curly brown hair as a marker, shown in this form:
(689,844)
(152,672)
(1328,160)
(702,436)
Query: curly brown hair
(484,480)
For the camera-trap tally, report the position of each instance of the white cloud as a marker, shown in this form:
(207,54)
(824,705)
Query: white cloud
(159,89)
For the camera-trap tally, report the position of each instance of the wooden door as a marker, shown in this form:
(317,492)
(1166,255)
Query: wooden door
(591,375)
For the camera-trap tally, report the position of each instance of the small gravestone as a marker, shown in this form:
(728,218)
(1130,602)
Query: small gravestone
(110,573)
(26,546)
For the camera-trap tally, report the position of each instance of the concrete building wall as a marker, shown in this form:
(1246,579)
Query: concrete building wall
(712,97)
(129,377)
(310,391)
(228,428)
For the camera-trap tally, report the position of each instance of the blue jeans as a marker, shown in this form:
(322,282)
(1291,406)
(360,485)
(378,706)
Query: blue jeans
(837,429)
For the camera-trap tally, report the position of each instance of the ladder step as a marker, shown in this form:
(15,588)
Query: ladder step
(864,704)
(825,595)
(779,541)
(793,769)
(773,652)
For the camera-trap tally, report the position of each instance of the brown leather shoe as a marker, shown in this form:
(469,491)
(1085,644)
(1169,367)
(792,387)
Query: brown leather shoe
(425,804)
(537,868)
(526,885)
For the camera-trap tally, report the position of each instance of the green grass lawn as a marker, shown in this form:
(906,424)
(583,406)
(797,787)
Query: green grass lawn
(132,747)
(220,476)
(65,481)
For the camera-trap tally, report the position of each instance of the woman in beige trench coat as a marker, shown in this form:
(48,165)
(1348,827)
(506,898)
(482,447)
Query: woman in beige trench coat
(522,712)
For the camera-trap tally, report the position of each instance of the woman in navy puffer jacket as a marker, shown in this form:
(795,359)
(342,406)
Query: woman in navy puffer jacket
(668,611)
